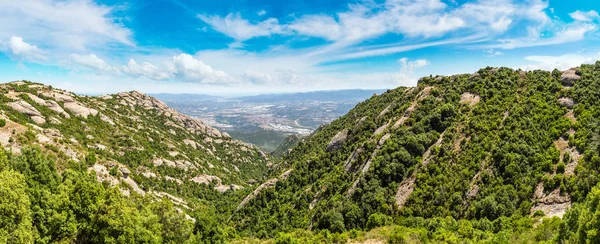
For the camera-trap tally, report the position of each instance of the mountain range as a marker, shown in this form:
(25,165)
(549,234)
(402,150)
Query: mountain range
(496,156)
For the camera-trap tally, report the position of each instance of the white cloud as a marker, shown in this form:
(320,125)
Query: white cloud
(194,70)
(322,26)
(25,51)
(234,26)
(493,53)
(95,63)
(261,12)
(415,20)
(407,69)
(381,50)
(145,69)
(257,77)
(570,33)
(562,62)
(70,24)
(585,16)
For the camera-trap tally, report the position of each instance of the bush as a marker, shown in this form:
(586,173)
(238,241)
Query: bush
(560,168)
(377,220)
(2,123)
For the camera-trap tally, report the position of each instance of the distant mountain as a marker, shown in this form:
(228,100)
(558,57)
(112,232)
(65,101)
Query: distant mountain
(337,95)
(183,97)
(333,95)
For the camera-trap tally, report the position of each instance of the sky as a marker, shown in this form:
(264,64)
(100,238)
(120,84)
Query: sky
(230,47)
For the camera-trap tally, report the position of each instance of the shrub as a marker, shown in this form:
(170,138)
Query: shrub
(2,123)
(378,219)
(560,168)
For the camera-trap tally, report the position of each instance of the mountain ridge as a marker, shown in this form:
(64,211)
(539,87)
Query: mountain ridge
(395,155)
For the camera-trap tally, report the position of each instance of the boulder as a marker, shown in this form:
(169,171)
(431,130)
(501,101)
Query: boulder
(125,171)
(567,102)
(80,110)
(569,77)
(26,109)
(337,141)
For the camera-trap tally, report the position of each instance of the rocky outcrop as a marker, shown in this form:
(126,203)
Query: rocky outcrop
(469,99)
(337,141)
(268,184)
(206,179)
(191,124)
(80,110)
(51,104)
(567,102)
(552,204)
(569,77)
(26,109)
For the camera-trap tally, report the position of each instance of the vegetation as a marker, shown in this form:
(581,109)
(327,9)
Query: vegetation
(493,157)
(498,131)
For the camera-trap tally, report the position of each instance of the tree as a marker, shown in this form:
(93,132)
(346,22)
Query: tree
(175,227)
(333,221)
(15,217)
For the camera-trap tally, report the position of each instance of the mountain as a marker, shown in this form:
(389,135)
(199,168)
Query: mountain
(183,97)
(488,153)
(337,96)
(70,154)
(496,156)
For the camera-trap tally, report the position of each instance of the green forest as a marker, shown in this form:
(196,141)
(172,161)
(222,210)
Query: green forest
(498,156)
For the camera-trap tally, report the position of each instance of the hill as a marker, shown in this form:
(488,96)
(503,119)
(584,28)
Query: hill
(497,156)
(494,151)
(81,161)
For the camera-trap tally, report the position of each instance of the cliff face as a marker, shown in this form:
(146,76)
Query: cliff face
(136,140)
(499,142)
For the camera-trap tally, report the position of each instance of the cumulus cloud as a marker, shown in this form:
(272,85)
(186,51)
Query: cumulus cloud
(182,67)
(94,63)
(145,69)
(585,16)
(25,51)
(562,62)
(194,70)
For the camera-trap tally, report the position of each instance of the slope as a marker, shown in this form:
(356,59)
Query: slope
(129,140)
(496,144)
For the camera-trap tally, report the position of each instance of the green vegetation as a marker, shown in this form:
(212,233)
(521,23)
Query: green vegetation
(497,130)
(72,207)
(286,146)
(266,140)
(493,157)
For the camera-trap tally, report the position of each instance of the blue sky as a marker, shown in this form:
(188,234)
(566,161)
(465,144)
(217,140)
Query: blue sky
(243,47)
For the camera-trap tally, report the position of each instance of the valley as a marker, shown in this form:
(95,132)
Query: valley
(299,122)
(266,120)
(494,155)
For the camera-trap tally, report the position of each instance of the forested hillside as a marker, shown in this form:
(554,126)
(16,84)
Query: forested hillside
(497,156)
(116,168)
(480,156)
